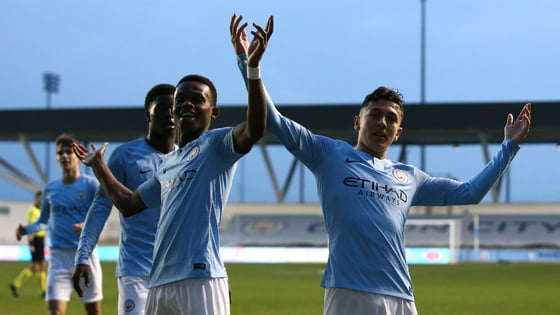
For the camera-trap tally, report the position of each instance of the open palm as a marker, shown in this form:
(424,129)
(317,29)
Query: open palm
(87,157)
(517,130)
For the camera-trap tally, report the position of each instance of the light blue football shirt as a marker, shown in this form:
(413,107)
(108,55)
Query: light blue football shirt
(132,163)
(192,186)
(366,201)
(63,206)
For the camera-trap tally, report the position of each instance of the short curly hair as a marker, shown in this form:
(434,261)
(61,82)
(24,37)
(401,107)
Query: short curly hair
(203,80)
(157,90)
(387,94)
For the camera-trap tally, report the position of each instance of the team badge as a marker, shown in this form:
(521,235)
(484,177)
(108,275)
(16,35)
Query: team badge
(129,305)
(193,153)
(81,195)
(400,175)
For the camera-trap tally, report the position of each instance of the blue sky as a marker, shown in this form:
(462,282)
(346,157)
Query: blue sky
(109,53)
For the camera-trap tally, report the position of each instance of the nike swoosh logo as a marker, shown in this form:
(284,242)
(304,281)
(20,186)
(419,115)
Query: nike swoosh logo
(353,161)
(145,171)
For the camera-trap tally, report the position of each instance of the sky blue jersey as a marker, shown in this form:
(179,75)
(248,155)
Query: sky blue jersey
(63,206)
(192,186)
(366,202)
(132,163)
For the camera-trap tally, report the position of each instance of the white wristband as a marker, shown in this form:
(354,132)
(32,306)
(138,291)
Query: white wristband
(253,73)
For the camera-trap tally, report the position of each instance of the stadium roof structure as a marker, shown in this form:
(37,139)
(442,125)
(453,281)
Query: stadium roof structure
(429,124)
(424,124)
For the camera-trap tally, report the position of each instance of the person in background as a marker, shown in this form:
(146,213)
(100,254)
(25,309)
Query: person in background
(132,163)
(36,242)
(66,201)
(192,187)
(366,198)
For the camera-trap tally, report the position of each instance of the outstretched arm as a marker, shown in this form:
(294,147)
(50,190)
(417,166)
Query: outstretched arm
(40,224)
(248,133)
(438,191)
(127,201)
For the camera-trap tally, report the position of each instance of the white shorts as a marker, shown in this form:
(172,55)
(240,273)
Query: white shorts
(133,292)
(59,277)
(200,296)
(344,301)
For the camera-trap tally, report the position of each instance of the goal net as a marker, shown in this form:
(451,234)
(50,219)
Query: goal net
(433,240)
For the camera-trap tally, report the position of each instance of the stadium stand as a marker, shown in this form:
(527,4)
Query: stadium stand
(500,225)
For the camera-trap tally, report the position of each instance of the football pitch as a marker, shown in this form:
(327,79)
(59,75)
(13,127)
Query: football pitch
(293,289)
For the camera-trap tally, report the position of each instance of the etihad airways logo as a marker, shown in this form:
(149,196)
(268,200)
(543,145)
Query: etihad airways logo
(373,189)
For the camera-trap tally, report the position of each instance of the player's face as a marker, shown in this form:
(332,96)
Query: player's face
(378,125)
(160,116)
(193,108)
(66,158)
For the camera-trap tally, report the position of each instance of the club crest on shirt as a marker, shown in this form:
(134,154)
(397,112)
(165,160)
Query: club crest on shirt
(193,153)
(129,305)
(400,175)
(81,195)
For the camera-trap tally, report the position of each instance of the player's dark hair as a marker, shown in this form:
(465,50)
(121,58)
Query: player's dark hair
(387,94)
(157,90)
(203,80)
(65,139)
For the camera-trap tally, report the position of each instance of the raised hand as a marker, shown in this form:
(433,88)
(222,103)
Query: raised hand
(238,35)
(517,130)
(240,40)
(88,158)
(259,43)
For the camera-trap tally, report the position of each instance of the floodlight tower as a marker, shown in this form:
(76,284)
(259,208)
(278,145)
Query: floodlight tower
(422,52)
(51,82)
(423,71)
(423,79)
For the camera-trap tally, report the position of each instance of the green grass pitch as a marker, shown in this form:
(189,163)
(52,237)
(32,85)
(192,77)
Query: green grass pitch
(282,289)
